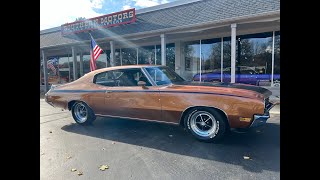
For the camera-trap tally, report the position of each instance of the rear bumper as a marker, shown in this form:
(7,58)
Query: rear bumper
(46,99)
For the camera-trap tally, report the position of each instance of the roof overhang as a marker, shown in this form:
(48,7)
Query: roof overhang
(241,21)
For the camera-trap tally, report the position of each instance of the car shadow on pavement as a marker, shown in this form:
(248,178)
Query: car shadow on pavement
(263,148)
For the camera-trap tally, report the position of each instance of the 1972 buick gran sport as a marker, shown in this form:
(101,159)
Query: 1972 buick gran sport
(157,93)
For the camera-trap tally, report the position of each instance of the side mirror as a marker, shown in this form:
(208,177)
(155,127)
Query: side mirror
(142,84)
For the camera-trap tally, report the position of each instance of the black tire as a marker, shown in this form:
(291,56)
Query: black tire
(87,118)
(215,133)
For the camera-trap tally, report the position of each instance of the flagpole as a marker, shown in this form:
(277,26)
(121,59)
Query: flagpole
(93,38)
(93,65)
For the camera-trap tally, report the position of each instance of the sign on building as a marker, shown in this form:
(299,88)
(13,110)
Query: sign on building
(109,20)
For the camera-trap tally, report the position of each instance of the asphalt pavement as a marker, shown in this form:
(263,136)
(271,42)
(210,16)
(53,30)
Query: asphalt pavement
(145,150)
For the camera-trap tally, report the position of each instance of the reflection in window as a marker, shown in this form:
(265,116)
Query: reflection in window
(64,71)
(276,75)
(192,59)
(164,75)
(117,61)
(210,59)
(226,76)
(146,55)
(254,52)
(53,70)
(41,72)
(170,55)
(129,56)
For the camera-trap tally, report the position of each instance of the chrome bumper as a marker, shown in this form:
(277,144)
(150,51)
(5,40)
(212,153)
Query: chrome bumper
(259,120)
(47,101)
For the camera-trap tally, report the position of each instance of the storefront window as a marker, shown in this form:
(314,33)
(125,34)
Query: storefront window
(254,59)
(170,55)
(192,59)
(146,55)
(276,75)
(52,70)
(117,61)
(86,63)
(211,60)
(41,72)
(158,55)
(64,72)
(226,76)
(129,56)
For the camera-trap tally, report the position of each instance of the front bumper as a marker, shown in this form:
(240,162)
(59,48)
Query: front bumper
(259,120)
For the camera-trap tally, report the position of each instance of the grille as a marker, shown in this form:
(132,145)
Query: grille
(266,102)
(267,105)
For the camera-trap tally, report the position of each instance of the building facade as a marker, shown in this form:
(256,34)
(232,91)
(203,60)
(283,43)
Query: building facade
(235,41)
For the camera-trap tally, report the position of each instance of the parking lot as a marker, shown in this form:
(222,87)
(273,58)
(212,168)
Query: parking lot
(144,150)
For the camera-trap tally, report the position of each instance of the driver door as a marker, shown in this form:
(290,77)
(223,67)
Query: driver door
(127,99)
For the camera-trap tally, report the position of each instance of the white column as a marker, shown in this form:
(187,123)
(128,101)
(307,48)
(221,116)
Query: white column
(182,59)
(74,57)
(272,67)
(178,57)
(163,49)
(45,71)
(69,68)
(112,53)
(233,52)
(81,64)
(221,59)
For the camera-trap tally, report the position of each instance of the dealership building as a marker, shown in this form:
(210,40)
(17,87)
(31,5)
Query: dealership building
(233,39)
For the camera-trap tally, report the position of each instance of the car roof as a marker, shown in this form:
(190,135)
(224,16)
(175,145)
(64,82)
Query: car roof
(121,67)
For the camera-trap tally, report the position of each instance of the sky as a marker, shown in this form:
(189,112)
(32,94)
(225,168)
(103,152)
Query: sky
(54,13)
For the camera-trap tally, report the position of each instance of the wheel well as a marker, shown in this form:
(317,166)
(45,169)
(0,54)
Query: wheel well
(70,104)
(185,112)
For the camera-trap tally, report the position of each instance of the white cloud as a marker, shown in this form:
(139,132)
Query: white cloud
(125,7)
(146,3)
(97,3)
(57,12)
(149,3)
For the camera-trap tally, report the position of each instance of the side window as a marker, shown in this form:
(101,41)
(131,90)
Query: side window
(157,75)
(104,79)
(129,77)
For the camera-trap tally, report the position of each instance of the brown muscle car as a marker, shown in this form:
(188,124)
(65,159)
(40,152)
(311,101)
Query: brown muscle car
(157,93)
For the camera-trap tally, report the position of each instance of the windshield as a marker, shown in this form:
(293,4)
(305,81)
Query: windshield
(164,75)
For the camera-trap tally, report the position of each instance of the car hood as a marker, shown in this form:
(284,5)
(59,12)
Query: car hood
(233,89)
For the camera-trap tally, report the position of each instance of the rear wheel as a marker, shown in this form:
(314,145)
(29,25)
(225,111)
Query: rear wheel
(205,124)
(82,113)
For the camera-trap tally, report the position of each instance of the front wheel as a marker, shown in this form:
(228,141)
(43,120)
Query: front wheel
(205,124)
(82,113)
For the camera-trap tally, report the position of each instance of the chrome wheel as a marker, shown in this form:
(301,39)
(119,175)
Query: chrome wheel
(80,112)
(204,124)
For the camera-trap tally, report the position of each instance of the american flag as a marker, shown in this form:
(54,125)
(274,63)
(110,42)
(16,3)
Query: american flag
(95,53)
(51,66)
